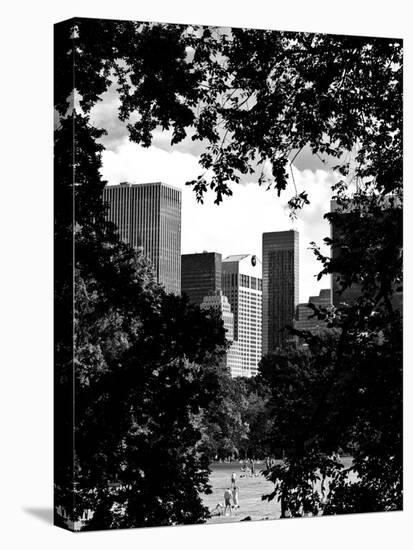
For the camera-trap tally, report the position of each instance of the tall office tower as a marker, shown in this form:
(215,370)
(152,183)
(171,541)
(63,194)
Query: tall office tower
(148,215)
(279,287)
(242,284)
(233,358)
(304,317)
(200,275)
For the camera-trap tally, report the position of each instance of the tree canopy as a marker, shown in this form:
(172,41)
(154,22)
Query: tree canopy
(252,96)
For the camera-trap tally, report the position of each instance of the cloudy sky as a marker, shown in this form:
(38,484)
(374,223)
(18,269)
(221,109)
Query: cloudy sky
(236,225)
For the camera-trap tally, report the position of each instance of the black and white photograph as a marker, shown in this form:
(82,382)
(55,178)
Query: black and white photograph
(205,278)
(228,267)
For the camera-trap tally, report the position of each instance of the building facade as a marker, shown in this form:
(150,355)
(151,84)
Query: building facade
(148,215)
(242,284)
(220,302)
(232,359)
(200,275)
(305,319)
(280,286)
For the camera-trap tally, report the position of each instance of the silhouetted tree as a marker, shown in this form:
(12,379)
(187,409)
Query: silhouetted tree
(251,95)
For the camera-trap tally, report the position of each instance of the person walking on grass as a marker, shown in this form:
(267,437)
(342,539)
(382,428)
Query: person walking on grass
(233,478)
(235,494)
(227,501)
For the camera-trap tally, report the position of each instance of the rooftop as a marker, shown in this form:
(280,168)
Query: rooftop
(236,257)
(151,183)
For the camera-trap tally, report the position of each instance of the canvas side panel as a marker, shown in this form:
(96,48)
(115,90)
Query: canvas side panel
(63,279)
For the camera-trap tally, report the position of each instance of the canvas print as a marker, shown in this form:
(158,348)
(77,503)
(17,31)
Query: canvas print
(228,274)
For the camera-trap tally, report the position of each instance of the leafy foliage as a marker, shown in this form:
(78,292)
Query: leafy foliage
(253,96)
(236,424)
(343,393)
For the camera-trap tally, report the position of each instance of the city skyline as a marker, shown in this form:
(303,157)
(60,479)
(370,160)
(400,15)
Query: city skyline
(261,296)
(128,232)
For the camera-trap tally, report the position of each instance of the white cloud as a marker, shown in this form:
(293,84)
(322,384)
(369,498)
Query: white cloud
(236,225)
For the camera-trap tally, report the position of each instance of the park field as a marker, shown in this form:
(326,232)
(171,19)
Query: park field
(251,490)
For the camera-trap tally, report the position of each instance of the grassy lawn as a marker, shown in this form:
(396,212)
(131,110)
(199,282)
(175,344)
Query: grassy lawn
(250,491)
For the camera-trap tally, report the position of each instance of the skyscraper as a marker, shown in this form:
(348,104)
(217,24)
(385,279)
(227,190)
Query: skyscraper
(242,284)
(148,215)
(279,287)
(200,275)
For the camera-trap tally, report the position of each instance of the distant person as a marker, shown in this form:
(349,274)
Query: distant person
(235,494)
(227,501)
(233,478)
(252,467)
